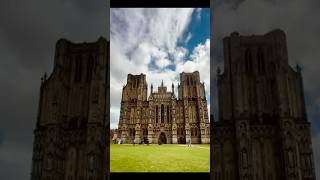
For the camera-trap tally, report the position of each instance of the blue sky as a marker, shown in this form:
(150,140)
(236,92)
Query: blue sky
(199,28)
(160,43)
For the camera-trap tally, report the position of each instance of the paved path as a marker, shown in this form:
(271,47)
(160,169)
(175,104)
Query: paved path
(185,145)
(192,145)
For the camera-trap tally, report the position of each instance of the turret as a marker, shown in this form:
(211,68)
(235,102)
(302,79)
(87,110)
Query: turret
(151,88)
(172,86)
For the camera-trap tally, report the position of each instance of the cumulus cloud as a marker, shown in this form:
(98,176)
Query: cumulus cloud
(145,41)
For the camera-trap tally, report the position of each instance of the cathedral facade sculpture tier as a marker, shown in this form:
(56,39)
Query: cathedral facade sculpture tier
(70,138)
(161,117)
(262,131)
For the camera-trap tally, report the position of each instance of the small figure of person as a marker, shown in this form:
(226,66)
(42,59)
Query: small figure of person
(189,143)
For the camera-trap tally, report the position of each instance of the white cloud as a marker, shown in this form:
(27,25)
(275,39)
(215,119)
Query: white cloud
(145,41)
(180,53)
(163,62)
(189,36)
(198,11)
(142,54)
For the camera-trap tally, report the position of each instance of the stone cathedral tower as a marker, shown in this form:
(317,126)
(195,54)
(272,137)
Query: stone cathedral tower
(263,131)
(72,123)
(162,118)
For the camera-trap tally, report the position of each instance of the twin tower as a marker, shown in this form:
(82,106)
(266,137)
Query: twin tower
(161,117)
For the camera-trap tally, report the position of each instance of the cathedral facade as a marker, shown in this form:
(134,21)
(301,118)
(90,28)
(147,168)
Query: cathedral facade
(71,134)
(262,131)
(162,117)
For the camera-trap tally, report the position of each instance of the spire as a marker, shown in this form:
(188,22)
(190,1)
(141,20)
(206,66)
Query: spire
(151,88)
(172,86)
(298,67)
(162,83)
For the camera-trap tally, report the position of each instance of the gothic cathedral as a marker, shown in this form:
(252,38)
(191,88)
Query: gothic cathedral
(262,131)
(161,117)
(70,138)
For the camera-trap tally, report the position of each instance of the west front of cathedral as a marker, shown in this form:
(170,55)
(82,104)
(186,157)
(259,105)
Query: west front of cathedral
(162,117)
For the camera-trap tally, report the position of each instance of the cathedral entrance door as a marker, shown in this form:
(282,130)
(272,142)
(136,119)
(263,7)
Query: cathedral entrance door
(162,138)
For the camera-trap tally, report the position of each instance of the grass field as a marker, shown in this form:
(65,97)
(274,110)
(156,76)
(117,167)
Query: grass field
(159,158)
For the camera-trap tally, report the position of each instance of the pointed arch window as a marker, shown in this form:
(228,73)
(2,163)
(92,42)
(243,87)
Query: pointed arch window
(248,60)
(78,69)
(90,68)
(261,67)
(162,113)
(157,115)
(168,116)
(244,158)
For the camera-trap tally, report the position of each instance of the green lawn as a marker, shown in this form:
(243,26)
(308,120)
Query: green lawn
(159,158)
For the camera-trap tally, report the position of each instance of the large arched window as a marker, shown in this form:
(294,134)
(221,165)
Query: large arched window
(162,113)
(261,62)
(78,69)
(90,68)
(248,61)
(168,115)
(157,115)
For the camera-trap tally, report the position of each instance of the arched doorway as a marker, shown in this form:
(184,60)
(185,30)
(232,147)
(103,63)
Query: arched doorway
(162,138)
